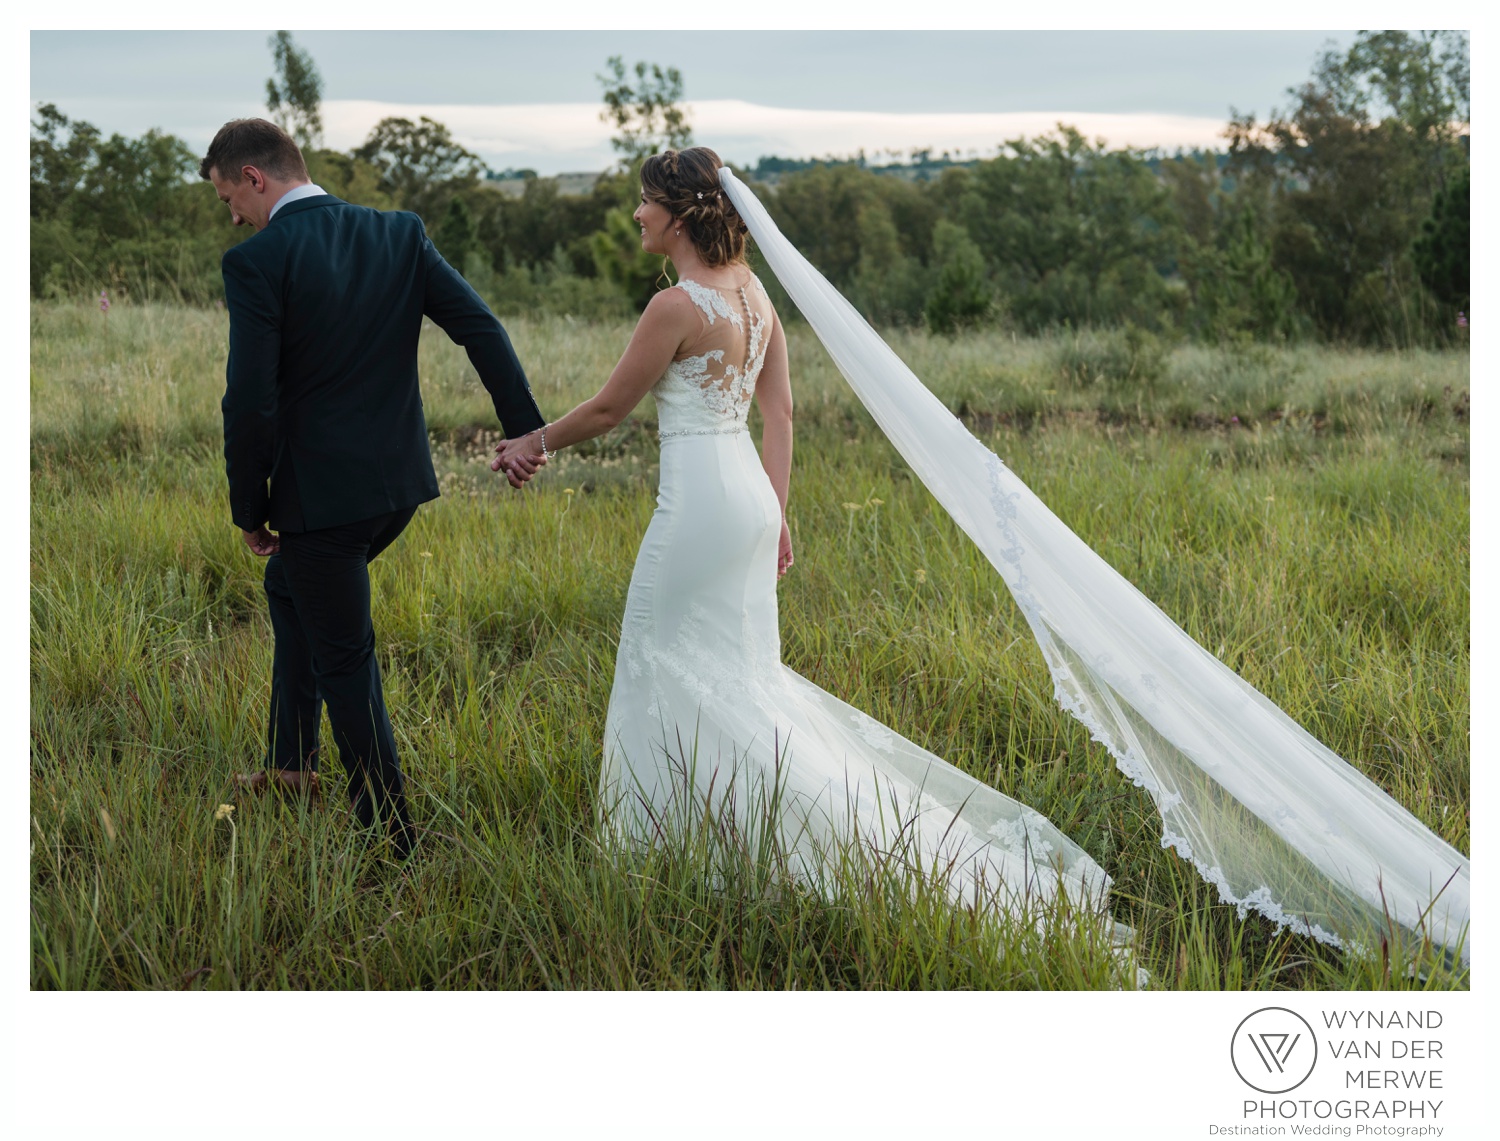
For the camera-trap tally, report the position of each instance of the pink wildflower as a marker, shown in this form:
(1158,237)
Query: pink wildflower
(104,301)
(1463,321)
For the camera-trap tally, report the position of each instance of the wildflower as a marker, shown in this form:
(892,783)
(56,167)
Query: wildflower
(104,303)
(427,554)
(1463,321)
(567,491)
(224,812)
(921,574)
(1234,419)
(877,502)
(851,507)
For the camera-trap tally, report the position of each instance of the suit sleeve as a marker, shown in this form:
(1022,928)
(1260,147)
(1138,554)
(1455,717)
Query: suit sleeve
(463,315)
(249,403)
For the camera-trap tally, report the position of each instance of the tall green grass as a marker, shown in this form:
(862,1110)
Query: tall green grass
(1302,512)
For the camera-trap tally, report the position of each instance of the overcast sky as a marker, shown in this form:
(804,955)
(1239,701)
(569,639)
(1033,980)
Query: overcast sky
(531,99)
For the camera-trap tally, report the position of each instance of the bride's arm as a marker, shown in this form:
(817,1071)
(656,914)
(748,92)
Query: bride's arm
(669,320)
(773,392)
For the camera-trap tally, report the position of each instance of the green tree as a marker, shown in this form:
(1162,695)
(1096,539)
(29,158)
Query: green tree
(620,260)
(647,115)
(295,101)
(1076,233)
(456,236)
(889,284)
(647,118)
(120,213)
(529,230)
(349,178)
(1416,81)
(1224,254)
(421,165)
(58,165)
(1441,252)
(962,294)
(1198,193)
(1241,289)
(825,212)
(1352,167)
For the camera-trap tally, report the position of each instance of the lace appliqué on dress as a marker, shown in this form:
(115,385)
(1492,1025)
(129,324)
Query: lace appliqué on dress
(725,388)
(711,301)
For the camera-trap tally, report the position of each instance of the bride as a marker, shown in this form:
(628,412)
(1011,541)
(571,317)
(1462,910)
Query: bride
(704,716)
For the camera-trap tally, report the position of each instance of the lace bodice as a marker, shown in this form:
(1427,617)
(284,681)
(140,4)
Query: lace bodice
(707,390)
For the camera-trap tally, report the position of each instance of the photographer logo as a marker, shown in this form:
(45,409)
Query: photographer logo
(1273,1050)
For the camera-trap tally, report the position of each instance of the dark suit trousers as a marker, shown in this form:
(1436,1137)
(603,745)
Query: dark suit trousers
(318,588)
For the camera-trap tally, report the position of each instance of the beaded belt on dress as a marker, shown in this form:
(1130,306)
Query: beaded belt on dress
(732,430)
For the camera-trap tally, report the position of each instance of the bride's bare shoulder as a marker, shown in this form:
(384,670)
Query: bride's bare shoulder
(671,316)
(672,303)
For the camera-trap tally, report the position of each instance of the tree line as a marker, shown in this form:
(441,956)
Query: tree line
(1343,217)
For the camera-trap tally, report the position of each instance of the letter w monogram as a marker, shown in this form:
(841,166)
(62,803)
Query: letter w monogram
(1274,1049)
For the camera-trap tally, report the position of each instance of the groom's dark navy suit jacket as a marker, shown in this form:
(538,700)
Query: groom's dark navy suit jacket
(325,307)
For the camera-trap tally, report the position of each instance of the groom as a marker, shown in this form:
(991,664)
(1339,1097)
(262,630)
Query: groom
(325,444)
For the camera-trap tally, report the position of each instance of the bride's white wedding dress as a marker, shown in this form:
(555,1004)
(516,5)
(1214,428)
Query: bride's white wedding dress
(704,716)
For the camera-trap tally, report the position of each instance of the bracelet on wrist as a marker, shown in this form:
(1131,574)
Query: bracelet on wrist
(546,455)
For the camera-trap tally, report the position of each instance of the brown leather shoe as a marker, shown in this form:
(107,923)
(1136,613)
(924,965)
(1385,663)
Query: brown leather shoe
(303,782)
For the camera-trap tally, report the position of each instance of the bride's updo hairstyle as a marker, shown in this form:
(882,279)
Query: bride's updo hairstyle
(687,183)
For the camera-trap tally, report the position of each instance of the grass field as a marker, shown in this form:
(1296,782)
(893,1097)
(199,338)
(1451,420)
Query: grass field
(1302,512)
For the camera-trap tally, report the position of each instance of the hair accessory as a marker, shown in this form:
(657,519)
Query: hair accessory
(700,195)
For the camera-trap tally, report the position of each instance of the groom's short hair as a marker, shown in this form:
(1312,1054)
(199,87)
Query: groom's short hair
(253,142)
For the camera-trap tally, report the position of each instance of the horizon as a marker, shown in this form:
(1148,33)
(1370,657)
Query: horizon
(531,100)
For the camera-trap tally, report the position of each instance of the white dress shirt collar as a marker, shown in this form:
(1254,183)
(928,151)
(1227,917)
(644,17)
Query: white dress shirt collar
(306,190)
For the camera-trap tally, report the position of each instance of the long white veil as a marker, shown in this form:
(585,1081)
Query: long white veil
(1274,819)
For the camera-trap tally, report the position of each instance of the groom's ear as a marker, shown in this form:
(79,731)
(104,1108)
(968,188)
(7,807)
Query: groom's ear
(255,177)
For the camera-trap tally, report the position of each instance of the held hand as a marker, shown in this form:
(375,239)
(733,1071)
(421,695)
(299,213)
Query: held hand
(520,459)
(784,551)
(516,475)
(262,542)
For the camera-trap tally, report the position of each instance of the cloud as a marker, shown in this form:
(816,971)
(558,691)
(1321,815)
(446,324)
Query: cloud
(793,132)
(547,137)
(552,137)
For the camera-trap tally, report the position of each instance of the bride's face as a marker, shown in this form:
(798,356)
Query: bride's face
(655,220)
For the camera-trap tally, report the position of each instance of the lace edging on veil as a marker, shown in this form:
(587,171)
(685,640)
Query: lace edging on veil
(1271,817)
